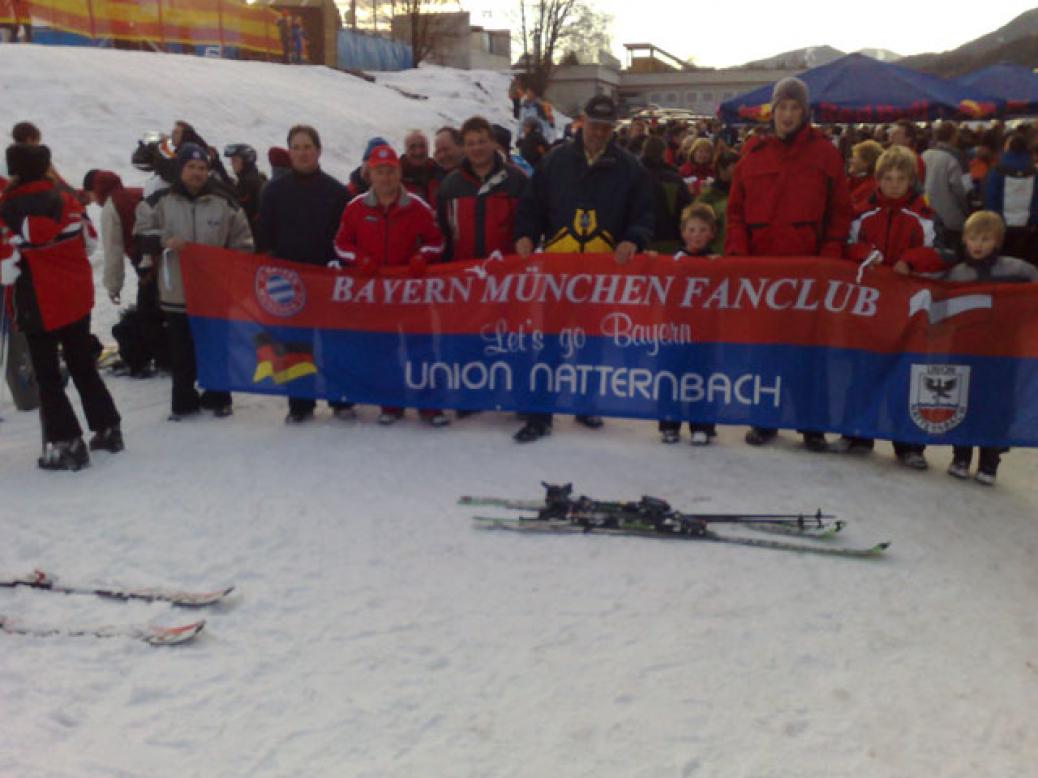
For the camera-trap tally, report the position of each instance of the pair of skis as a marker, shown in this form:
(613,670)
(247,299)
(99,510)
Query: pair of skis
(561,512)
(154,635)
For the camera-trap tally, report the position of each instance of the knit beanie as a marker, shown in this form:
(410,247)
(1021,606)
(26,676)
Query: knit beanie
(188,152)
(791,88)
(372,145)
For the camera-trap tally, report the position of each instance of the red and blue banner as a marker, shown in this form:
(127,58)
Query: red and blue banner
(791,342)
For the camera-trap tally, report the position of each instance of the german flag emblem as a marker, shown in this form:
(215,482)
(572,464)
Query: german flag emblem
(281,362)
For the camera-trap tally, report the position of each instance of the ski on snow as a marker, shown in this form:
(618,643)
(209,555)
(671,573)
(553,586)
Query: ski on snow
(40,579)
(534,524)
(812,526)
(561,512)
(153,635)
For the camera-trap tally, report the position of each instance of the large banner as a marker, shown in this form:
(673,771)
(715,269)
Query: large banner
(793,342)
(186,22)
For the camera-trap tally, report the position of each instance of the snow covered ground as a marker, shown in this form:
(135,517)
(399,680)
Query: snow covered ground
(374,632)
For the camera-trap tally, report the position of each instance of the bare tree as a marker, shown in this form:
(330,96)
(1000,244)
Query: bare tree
(547,28)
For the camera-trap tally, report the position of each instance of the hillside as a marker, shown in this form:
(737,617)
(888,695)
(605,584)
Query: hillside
(1015,43)
(814,56)
(100,101)
(376,633)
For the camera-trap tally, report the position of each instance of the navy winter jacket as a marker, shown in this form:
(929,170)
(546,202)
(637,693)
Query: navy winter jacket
(299,216)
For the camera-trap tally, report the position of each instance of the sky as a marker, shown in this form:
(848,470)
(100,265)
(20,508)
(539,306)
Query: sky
(722,34)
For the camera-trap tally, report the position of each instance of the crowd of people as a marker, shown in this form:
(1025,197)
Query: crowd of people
(945,202)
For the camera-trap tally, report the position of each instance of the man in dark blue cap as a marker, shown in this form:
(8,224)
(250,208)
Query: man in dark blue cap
(588,196)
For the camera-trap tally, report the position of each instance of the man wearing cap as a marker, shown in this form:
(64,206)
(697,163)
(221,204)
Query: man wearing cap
(386,227)
(588,196)
(298,216)
(194,209)
(789,197)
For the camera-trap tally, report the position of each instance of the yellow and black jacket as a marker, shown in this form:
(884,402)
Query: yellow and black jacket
(576,208)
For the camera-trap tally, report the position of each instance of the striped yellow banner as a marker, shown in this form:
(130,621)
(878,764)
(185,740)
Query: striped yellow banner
(188,22)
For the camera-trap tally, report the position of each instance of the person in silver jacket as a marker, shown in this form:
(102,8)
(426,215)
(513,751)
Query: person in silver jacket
(195,209)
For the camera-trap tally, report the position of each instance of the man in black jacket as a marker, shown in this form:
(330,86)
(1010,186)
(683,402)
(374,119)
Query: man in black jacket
(298,218)
(589,196)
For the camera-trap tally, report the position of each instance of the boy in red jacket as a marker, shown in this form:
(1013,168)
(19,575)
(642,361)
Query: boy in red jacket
(386,227)
(895,228)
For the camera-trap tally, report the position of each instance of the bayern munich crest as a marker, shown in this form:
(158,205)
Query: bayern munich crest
(280,291)
(939,396)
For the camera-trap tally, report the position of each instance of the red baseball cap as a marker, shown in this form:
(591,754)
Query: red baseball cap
(383,155)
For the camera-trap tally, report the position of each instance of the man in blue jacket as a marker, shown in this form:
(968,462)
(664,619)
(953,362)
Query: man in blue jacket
(588,196)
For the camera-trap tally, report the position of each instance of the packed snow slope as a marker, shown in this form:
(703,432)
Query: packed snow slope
(93,104)
(375,632)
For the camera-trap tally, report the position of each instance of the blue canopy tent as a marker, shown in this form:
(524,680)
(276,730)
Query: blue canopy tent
(1016,84)
(856,88)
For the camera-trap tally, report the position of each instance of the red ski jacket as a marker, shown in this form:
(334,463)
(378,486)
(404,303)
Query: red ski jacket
(478,217)
(371,236)
(902,229)
(789,198)
(49,231)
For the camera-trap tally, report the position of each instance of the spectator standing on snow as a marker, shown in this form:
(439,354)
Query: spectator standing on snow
(194,209)
(118,207)
(982,237)
(587,196)
(897,223)
(299,214)
(476,203)
(44,255)
(698,230)
(389,227)
(140,332)
(789,197)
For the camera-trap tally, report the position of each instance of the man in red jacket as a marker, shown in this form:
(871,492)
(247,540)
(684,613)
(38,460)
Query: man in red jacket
(388,226)
(476,204)
(789,197)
